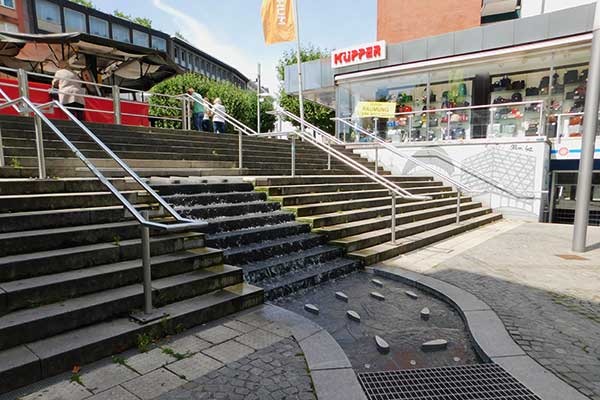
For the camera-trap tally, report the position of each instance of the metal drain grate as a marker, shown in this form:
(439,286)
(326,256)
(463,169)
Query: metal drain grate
(477,382)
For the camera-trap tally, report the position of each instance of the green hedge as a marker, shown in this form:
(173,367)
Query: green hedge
(239,103)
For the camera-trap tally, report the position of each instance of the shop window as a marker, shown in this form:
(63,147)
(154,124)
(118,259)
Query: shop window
(48,16)
(141,38)
(120,33)
(8,27)
(98,27)
(7,3)
(74,21)
(159,43)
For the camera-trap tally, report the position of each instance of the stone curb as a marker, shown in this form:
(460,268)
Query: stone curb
(490,338)
(330,369)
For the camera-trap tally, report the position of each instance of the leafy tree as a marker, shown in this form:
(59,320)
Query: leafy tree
(85,3)
(121,14)
(180,36)
(314,113)
(239,103)
(147,22)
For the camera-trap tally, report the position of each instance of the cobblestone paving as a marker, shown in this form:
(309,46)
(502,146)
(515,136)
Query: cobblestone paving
(550,306)
(396,319)
(278,371)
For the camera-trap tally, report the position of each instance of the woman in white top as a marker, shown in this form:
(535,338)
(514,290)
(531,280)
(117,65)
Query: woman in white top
(69,92)
(218,120)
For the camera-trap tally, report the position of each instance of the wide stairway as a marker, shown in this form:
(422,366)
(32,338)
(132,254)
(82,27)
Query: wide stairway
(70,274)
(157,152)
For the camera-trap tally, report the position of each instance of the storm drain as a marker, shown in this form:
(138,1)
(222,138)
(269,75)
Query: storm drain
(480,381)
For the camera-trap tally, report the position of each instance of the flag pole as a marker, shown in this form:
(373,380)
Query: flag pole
(299,59)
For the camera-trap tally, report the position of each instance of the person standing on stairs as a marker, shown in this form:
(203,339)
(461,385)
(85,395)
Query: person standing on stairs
(69,90)
(206,122)
(218,120)
(197,109)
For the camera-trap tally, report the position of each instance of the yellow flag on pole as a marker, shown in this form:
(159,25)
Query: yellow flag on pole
(278,21)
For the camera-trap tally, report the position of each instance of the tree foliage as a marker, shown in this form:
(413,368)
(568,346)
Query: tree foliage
(85,3)
(147,22)
(239,103)
(314,113)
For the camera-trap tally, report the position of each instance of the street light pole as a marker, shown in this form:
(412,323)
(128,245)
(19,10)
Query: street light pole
(586,163)
(258,90)
(299,59)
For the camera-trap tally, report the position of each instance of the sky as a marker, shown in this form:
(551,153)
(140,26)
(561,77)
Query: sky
(231,30)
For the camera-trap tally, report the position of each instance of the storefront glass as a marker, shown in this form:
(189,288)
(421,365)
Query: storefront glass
(466,101)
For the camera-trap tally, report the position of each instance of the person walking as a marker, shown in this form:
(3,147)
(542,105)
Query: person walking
(69,90)
(206,123)
(218,119)
(197,109)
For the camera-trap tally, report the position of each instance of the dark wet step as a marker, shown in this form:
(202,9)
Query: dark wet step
(246,221)
(245,237)
(204,199)
(226,209)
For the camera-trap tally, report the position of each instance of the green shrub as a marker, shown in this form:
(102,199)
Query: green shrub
(239,103)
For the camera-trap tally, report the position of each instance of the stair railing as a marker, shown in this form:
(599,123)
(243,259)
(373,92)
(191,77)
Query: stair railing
(182,224)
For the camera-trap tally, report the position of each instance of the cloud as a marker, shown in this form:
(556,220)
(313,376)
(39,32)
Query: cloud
(206,40)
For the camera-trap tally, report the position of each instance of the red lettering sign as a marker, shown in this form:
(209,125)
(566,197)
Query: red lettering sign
(358,55)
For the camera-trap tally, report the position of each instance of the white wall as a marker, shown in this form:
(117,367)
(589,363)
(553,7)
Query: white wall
(520,166)
(534,7)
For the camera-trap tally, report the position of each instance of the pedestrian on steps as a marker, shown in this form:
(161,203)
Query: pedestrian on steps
(206,122)
(70,91)
(197,109)
(218,119)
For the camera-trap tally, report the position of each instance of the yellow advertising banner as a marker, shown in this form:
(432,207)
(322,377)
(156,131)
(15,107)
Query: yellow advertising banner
(278,21)
(380,109)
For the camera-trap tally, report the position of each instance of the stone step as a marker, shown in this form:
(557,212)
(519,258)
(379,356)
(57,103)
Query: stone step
(373,238)
(375,224)
(205,199)
(330,207)
(46,289)
(52,201)
(33,324)
(256,272)
(34,264)
(56,238)
(199,188)
(246,221)
(47,186)
(342,217)
(313,179)
(23,365)
(271,248)
(106,162)
(244,237)
(385,251)
(297,280)
(227,210)
(337,187)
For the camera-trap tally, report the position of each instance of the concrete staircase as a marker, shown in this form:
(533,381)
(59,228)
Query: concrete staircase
(70,274)
(275,252)
(157,152)
(355,214)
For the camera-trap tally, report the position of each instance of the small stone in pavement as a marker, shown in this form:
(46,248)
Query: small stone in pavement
(311,308)
(425,314)
(435,345)
(411,294)
(341,296)
(377,282)
(378,296)
(382,346)
(353,315)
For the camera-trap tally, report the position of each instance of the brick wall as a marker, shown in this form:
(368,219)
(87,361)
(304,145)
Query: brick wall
(401,20)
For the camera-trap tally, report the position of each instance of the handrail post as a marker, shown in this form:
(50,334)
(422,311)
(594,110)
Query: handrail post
(116,91)
(39,144)
(376,158)
(147,267)
(393,226)
(240,149)
(293,155)
(458,194)
(328,160)
(2,164)
(23,82)
(184,114)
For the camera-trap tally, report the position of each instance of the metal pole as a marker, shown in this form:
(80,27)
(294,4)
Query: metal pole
(258,101)
(586,164)
(299,62)
(117,104)
(2,164)
(23,82)
(458,205)
(39,144)
(184,114)
(393,218)
(410,127)
(240,150)
(147,267)
(293,155)
(552,198)
(328,159)
(376,158)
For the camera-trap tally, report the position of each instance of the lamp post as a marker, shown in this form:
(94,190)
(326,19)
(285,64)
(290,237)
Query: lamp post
(258,100)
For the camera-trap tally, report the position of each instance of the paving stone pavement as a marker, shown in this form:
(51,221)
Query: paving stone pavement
(549,305)
(277,371)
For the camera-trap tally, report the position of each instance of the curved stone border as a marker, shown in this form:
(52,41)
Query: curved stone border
(330,369)
(491,340)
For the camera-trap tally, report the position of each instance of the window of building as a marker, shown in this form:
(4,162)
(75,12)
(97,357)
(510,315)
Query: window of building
(120,33)
(141,38)
(176,54)
(74,21)
(183,58)
(48,16)
(98,27)
(7,3)
(8,27)
(159,43)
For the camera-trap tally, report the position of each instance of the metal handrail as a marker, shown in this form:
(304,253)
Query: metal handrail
(184,222)
(454,182)
(240,126)
(319,131)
